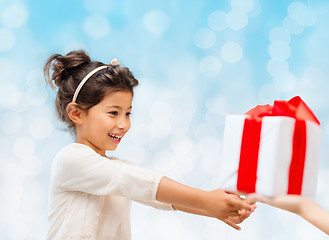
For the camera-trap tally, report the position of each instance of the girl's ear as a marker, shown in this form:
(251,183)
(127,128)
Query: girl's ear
(74,112)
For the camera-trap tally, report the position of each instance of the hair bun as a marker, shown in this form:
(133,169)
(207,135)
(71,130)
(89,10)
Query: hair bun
(62,66)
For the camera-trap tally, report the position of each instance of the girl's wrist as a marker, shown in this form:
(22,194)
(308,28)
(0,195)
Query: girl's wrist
(209,201)
(205,199)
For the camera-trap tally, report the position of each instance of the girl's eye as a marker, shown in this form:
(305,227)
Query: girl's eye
(113,113)
(128,114)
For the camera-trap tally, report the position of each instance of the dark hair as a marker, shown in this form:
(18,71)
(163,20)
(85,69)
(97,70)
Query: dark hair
(66,72)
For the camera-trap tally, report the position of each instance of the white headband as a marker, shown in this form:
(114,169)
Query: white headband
(114,62)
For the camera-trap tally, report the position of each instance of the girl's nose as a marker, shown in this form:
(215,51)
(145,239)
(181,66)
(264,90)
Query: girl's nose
(124,124)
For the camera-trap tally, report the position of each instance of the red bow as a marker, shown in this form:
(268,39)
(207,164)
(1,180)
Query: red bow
(294,108)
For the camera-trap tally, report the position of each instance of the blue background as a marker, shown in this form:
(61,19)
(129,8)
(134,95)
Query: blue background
(196,62)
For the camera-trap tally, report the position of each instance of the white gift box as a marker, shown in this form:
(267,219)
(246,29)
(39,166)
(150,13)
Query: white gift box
(274,155)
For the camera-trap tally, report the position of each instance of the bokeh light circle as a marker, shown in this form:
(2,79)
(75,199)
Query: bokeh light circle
(181,144)
(217,107)
(256,9)
(14,16)
(6,68)
(292,26)
(210,66)
(70,46)
(313,77)
(160,128)
(210,166)
(11,122)
(7,39)
(279,34)
(217,21)
(156,22)
(6,91)
(161,110)
(36,96)
(32,165)
(217,104)
(268,93)
(284,81)
(13,173)
(301,14)
(23,147)
(164,161)
(18,101)
(215,118)
(279,50)
(41,128)
(231,52)
(38,195)
(35,78)
(209,146)
(320,7)
(141,134)
(98,6)
(205,130)
(204,38)
(136,154)
(242,5)
(96,26)
(236,19)
(275,66)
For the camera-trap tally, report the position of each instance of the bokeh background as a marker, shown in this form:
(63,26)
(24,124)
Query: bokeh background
(196,62)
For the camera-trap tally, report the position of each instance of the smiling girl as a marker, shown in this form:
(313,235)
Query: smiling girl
(90,193)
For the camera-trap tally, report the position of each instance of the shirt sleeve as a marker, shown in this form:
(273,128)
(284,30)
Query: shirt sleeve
(155,203)
(81,169)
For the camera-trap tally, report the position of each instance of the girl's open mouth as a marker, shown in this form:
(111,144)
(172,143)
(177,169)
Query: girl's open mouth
(115,138)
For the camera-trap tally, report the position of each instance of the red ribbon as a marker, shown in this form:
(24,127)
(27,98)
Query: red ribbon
(247,172)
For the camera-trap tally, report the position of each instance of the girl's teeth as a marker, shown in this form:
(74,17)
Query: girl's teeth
(115,136)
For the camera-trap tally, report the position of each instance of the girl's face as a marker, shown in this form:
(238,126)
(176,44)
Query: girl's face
(103,126)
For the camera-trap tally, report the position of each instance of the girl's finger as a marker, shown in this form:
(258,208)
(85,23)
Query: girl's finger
(231,223)
(233,213)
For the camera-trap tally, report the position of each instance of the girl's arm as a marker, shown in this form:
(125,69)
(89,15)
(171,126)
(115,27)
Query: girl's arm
(304,207)
(216,203)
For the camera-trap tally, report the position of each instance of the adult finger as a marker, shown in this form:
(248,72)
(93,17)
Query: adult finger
(240,204)
(244,213)
(250,202)
(254,197)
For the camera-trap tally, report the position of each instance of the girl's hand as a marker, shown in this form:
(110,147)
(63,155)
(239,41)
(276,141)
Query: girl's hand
(238,219)
(228,207)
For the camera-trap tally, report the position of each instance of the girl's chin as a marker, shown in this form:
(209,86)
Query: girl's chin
(111,148)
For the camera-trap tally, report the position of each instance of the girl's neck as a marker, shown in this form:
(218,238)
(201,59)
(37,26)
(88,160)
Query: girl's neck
(89,144)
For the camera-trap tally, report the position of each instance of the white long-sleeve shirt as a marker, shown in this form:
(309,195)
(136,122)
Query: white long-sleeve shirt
(90,195)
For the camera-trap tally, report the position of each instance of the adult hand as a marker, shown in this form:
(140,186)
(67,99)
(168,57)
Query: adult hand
(291,203)
(304,207)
